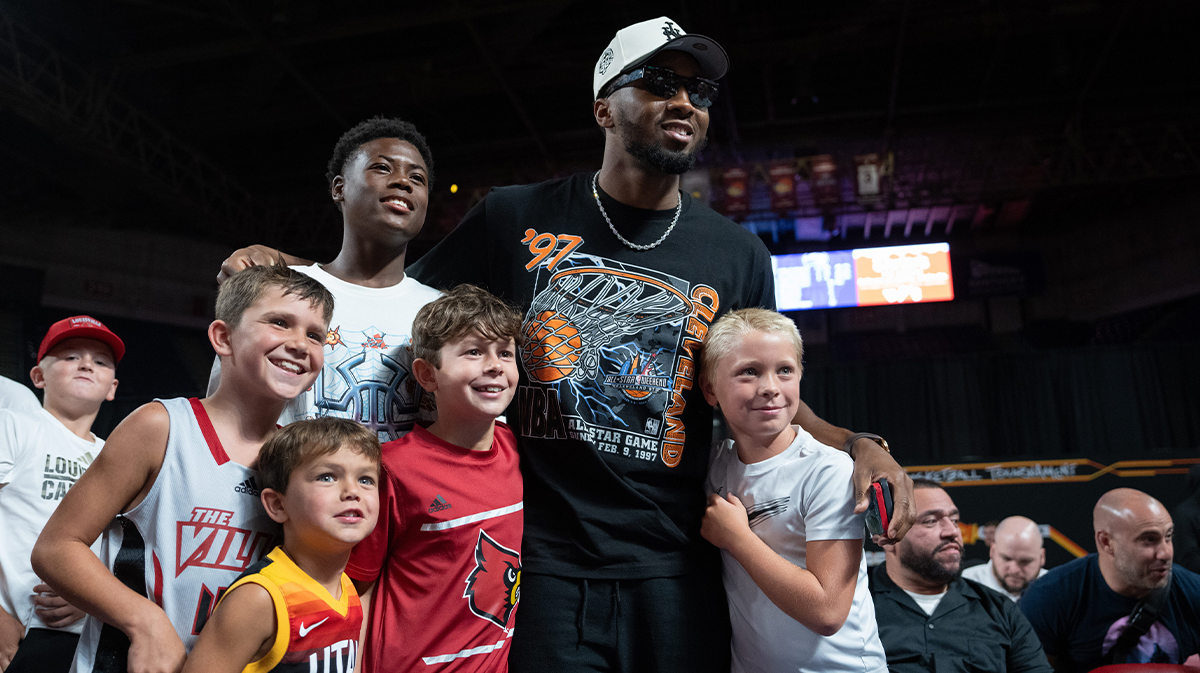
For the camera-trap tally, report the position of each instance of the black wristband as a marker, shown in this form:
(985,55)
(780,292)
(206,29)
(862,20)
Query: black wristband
(849,446)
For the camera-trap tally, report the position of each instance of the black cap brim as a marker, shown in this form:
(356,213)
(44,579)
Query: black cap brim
(711,56)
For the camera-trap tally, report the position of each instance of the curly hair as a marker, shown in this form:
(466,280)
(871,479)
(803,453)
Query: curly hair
(377,127)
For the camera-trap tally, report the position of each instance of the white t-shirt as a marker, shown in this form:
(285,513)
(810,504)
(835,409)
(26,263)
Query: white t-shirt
(15,396)
(367,375)
(802,494)
(987,577)
(927,602)
(40,459)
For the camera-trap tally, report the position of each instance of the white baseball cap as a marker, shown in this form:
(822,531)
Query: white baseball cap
(636,44)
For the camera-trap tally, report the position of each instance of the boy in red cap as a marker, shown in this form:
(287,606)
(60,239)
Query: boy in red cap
(42,452)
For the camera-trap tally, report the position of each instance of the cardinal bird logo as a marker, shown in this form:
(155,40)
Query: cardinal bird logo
(494,586)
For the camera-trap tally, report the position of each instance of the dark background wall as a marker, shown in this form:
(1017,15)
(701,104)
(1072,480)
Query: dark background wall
(140,142)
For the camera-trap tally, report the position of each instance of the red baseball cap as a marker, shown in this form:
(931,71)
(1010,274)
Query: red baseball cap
(83,327)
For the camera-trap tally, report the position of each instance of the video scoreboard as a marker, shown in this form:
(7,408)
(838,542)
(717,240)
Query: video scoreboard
(902,274)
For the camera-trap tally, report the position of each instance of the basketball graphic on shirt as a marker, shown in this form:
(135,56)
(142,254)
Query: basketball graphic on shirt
(554,344)
(609,353)
(584,307)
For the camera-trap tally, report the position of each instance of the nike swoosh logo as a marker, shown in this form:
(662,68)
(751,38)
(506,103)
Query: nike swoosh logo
(306,631)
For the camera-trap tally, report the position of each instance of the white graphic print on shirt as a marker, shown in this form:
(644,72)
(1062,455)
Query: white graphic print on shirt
(610,351)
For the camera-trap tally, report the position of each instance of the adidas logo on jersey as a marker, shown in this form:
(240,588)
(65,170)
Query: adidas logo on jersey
(249,487)
(439,503)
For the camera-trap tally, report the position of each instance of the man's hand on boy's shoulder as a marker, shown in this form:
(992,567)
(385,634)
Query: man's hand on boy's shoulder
(872,463)
(255,255)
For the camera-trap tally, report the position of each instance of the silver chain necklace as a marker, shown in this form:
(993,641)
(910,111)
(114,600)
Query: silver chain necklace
(635,246)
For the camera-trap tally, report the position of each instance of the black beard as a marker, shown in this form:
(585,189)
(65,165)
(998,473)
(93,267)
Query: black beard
(662,159)
(928,567)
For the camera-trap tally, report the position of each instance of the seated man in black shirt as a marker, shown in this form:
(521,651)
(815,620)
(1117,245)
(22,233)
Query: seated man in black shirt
(930,618)
(1082,611)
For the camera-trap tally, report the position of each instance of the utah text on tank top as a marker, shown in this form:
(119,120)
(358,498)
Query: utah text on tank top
(200,526)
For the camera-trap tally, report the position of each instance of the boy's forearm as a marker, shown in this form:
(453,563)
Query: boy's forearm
(76,574)
(794,590)
(256,255)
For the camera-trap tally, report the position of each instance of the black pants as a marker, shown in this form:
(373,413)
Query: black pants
(44,651)
(628,626)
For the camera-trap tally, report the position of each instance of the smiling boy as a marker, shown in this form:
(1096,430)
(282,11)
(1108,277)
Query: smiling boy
(175,492)
(441,573)
(781,511)
(379,177)
(42,452)
(296,608)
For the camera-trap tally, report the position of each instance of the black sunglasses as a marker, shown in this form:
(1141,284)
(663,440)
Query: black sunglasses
(663,82)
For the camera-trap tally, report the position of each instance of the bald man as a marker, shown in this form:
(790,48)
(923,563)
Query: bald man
(1082,611)
(1017,557)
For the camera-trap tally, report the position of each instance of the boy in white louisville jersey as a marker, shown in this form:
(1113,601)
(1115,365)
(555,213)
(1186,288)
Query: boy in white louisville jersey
(440,576)
(781,508)
(379,178)
(175,492)
(43,451)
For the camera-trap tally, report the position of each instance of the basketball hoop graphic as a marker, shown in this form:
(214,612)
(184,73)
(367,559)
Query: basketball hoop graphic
(584,307)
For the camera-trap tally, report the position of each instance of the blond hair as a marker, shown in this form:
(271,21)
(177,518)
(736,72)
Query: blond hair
(726,332)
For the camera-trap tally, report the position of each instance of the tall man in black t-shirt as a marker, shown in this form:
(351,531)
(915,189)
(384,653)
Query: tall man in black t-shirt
(619,275)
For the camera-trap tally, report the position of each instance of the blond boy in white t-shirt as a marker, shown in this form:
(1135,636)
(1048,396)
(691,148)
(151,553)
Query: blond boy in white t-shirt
(43,451)
(781,508)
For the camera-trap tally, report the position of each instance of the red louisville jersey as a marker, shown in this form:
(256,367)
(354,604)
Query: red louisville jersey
(445,556)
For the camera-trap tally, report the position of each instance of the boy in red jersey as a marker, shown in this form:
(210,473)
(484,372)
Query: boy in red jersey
(440,575)
(296,609)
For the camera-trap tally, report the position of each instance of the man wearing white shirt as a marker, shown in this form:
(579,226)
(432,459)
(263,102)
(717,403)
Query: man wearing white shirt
(1017,558)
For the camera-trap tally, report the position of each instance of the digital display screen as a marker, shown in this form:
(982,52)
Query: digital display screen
(901,274)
